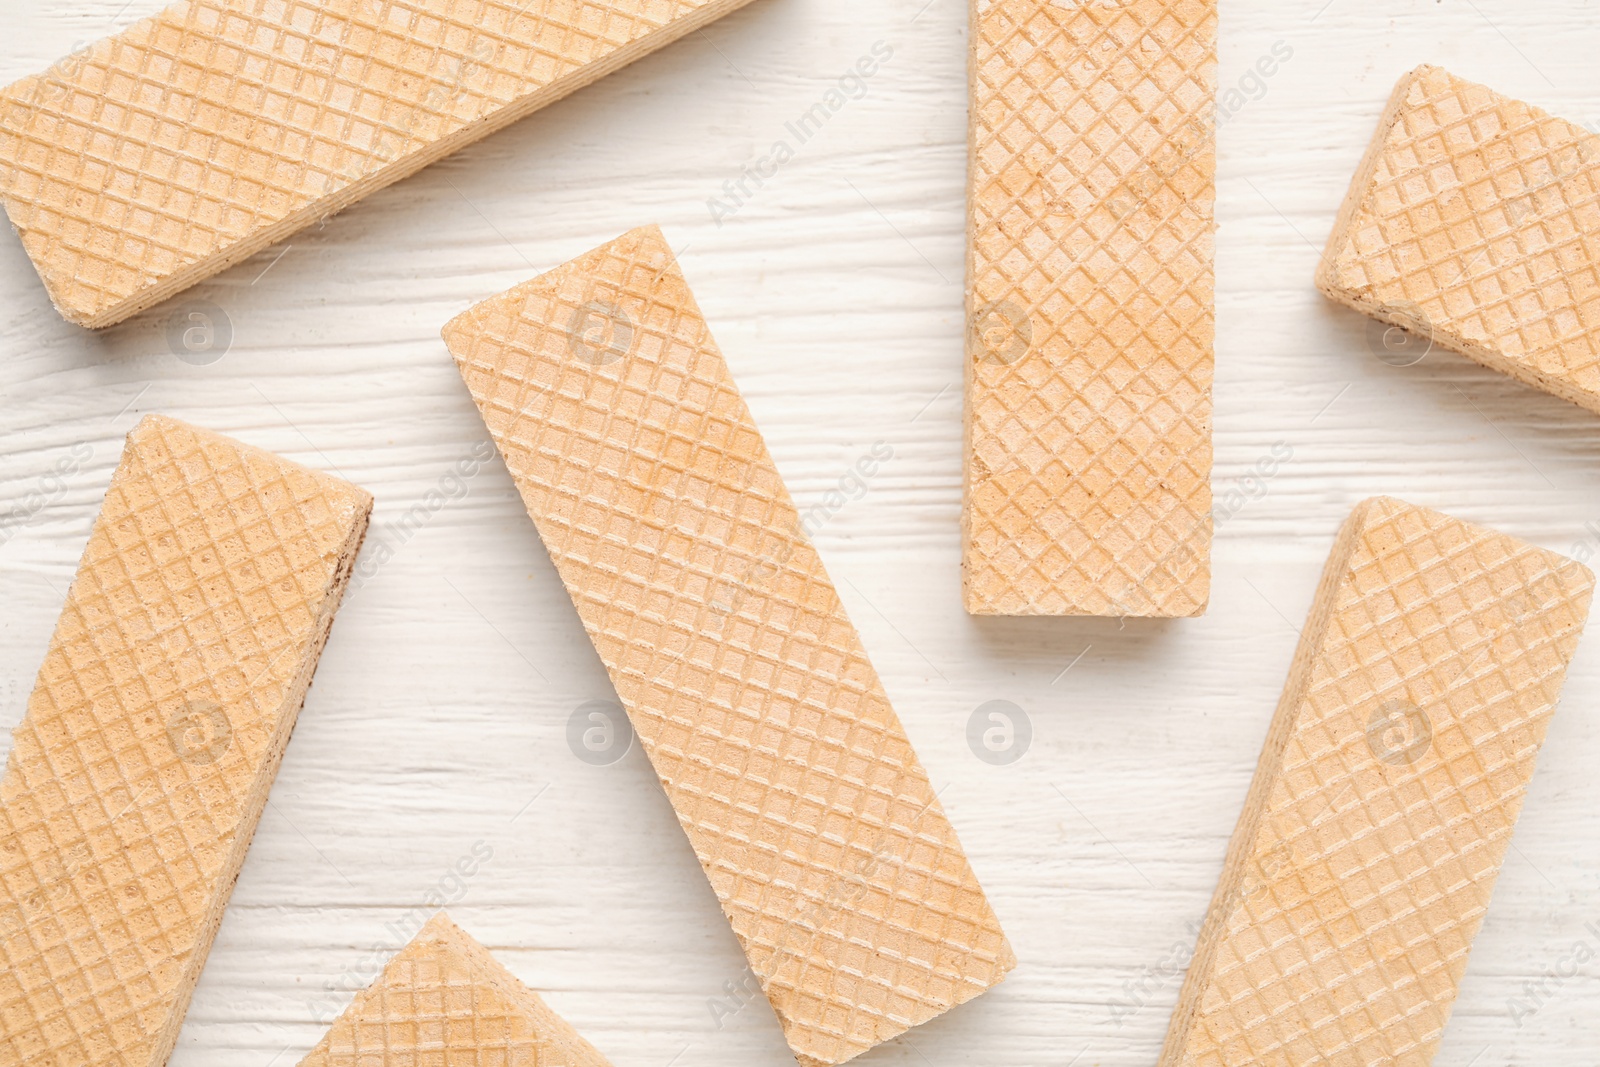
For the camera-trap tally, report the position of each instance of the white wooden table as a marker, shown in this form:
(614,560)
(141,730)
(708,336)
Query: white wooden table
(439,715)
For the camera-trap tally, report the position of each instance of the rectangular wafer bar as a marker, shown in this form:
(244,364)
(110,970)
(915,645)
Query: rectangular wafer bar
(1090,311)
(137,776)
(1386,796)
(1474,223)
(444,1000)
(197,137)
(656,497)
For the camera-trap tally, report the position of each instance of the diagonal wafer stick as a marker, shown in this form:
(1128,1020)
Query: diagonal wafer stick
(139,773)
(1089,307)
(1474,221)
(197,137)
(1386,796)
(444,1000)
(665,515)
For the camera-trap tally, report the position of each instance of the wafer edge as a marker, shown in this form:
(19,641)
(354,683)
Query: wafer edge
(293,699)
(969,372)
(1249,825)
(403,167)
(1409,317)
(1248,829)
(1326,277)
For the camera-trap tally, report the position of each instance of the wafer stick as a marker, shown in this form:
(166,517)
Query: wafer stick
(136,778)
(794,780)
(444,1000)
(1089,307)
(1387,792)
(156,158)
(1474,222)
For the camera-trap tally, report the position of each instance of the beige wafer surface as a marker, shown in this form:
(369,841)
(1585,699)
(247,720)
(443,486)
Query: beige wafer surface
(137,776)
(1090,307)
(443,1001)
(1474,221)
(1386,796)
(656,497)
(151,160)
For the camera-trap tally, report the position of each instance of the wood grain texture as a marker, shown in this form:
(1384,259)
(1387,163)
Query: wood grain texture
(442,702)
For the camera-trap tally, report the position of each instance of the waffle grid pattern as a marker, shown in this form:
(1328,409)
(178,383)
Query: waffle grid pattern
(207,578)
(1090,308)
(154,158)
(443,1001)
(1342,931)
(1474,222)
(666,517)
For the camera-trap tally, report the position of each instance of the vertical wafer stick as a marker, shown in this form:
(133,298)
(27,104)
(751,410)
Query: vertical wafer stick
(1386,796)
(192,140)
(444,1000)
(793,778)
(1089,307)
(1474,221)
(136,778)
